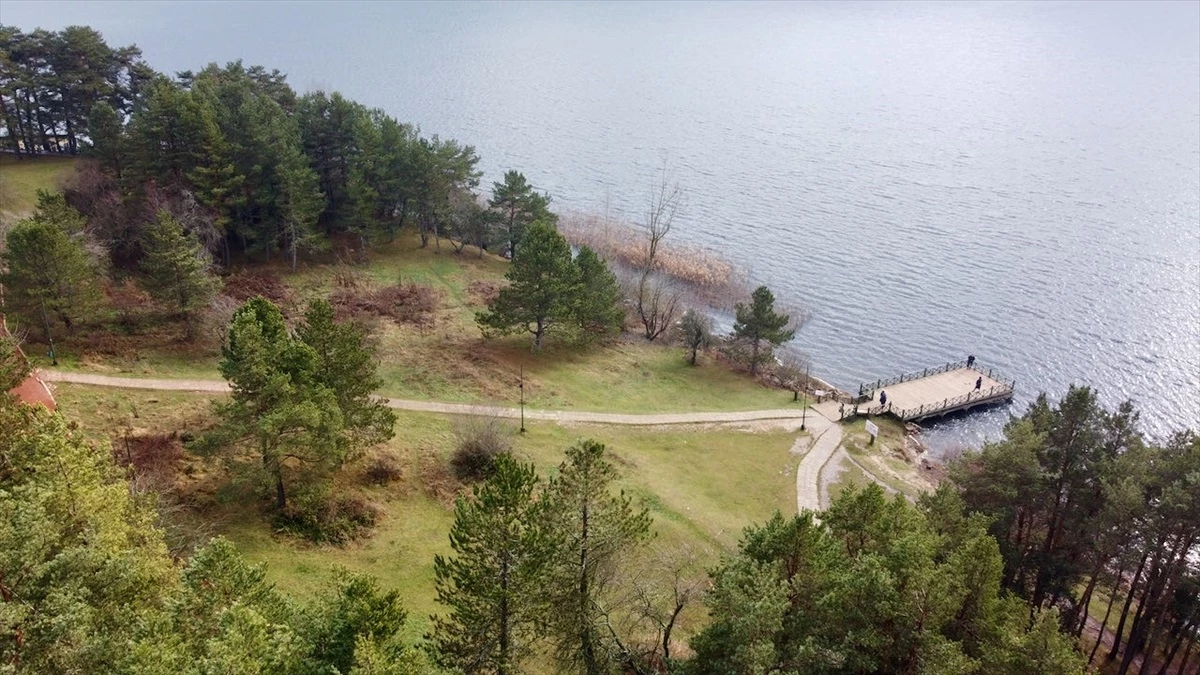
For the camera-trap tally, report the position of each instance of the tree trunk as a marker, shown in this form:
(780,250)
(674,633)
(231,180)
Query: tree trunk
(1186,629)
(587,647)
(280,495)
(539,334)
(1085,602)
(502,666)
(666,638)
(1116,648)
(1158,616)
(1187,654)
(1112,597)
(692,360)
(1151,607)
(72,145)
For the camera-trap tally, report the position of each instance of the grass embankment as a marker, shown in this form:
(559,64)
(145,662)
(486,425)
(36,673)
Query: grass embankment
(451,361)
(20,179)
(885,462)
(701,485)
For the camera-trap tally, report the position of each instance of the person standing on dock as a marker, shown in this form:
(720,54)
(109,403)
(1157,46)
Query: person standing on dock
(970,360)
(978,382)
(883,398)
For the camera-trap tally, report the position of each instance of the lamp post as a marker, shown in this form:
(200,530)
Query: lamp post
(522,386)
(49,338)
(804,409)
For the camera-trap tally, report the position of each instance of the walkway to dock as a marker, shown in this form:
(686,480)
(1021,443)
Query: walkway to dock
(935,391)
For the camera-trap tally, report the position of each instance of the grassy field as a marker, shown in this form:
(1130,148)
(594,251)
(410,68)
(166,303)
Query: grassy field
(20,179)
(449,361)
(701,485)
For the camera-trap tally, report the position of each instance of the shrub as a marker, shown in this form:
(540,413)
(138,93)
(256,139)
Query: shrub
(243,285)
(212,323)
(355,297)
(478,440)
(323,519)
(484,292)
(382,469)
(127,300)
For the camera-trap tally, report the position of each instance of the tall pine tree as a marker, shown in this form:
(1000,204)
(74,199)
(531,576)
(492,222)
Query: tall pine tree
(541,287)
(177,269)
(494,583)
(596,305)
(593,527)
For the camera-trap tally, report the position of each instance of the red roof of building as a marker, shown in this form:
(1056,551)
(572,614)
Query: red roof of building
(34,389)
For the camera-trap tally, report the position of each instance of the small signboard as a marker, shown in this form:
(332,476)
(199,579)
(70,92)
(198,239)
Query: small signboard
(872,429)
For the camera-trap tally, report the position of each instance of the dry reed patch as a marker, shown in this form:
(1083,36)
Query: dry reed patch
(703,271)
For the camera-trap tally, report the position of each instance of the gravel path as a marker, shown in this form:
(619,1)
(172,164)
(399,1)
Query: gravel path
(808,474)
(220,386)
(824,439)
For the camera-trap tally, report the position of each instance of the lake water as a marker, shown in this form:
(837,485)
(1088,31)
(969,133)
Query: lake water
(1016,181)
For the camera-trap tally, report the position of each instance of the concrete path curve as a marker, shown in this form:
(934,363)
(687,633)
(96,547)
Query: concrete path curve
(808,474)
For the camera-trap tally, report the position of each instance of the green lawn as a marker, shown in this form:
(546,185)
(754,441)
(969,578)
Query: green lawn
(20,179)
(702,485)
(451,361)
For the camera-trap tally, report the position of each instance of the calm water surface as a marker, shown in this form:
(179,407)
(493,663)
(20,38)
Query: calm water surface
(1017,181)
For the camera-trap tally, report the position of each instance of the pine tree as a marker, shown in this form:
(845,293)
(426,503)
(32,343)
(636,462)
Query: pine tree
(48,275)
(592,528)
(541,287)
(300,203)
(303,402)
(14,367)
(760,323)
(177,268)
(346,364)
(519,207)
(493,586)
(82,561)
(695,331)
(597,297)
(278,406)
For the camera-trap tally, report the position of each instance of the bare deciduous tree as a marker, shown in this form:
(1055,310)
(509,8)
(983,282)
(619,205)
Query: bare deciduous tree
(657,298)
(642,616)
(792,372)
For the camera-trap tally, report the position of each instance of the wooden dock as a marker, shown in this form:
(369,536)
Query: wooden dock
(935,391)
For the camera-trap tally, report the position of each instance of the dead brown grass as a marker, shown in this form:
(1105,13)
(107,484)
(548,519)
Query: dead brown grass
(484,292)
(158,455)
(245,284)
(356,297)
